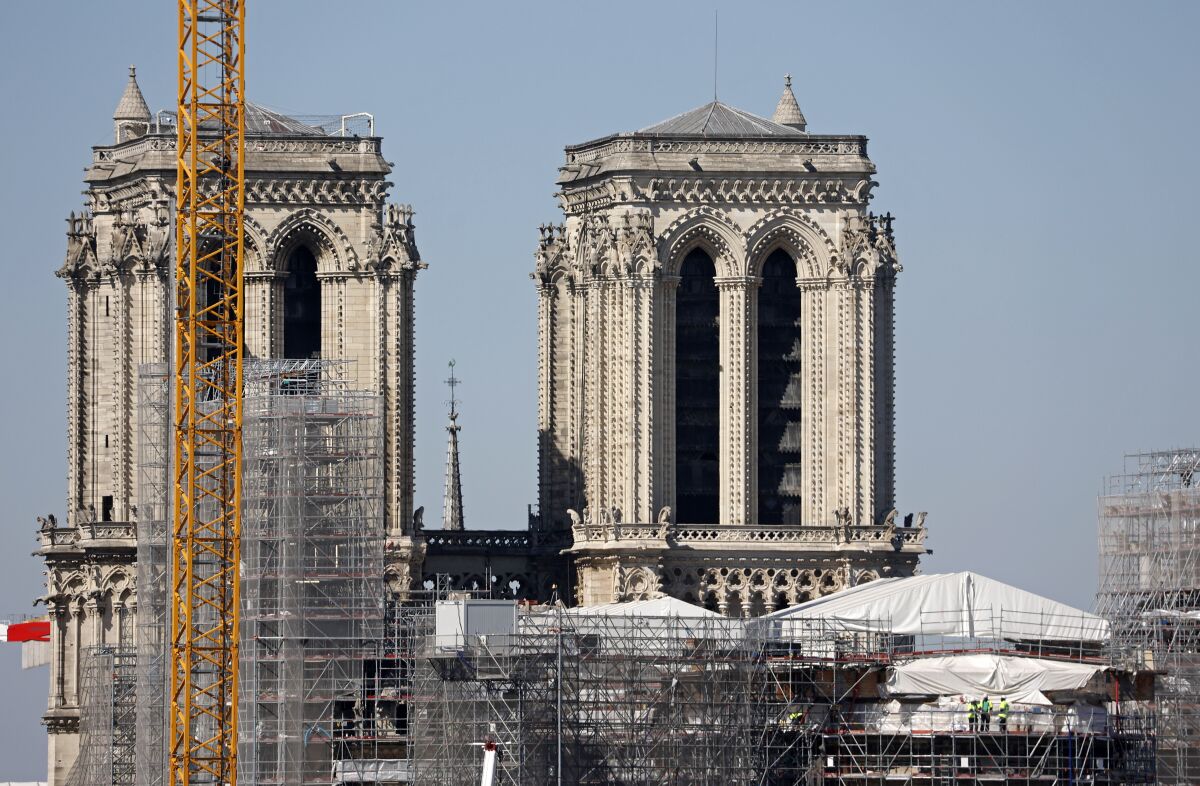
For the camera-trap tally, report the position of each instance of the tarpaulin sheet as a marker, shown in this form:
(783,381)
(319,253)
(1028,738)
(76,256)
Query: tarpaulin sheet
(946,604)
(1020,680)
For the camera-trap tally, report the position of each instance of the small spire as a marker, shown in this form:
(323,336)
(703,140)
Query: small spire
(787,111)
(132,115)
(452,502)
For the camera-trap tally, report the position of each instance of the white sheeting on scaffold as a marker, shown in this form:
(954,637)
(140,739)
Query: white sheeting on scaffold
(1021,680)
(641,623)
(962,604)
(658,607)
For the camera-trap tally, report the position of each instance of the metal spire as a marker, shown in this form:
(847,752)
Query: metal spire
(452,504)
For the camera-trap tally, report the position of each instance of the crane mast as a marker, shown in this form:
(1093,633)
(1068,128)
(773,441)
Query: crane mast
(208,394)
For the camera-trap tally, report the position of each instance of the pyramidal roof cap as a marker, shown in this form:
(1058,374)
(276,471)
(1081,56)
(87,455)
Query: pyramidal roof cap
(787,111)
(716,119)
(132,105)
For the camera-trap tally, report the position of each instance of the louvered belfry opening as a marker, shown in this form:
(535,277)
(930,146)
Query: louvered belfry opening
(697,416)
(779,406)
(302,306)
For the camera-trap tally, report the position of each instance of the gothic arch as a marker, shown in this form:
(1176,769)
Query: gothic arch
(706,228)
(809,245)
(254,245)
(116,582)
(329,243)
(71,583)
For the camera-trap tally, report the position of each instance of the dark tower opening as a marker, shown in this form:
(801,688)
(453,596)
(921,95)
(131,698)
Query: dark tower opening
(779,429)
(697,392)
(301,306)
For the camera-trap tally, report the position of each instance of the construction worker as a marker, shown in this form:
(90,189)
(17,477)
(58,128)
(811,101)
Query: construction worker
(1003,715)
(985,714)
(972,714)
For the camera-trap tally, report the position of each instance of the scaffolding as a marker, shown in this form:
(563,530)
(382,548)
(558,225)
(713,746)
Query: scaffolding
(1149,521)
(616,699)
(107,712)
(153,514)
(312,581)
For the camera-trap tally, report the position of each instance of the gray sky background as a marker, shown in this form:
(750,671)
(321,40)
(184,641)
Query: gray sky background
(1040,158)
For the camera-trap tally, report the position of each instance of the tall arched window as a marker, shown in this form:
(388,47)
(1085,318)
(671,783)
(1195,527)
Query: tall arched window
(301,306)
(779,430)
(697,392)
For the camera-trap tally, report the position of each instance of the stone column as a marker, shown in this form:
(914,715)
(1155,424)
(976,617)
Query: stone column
(738,499)
(865,405)
(883,417)
(665,400)
(76,361)
(816,507)
(333,315)
(639,498)
(95,618)
(260,309)
(548,390)
(394,367)
(593,400)
(58,653)
(75,621)
(125,453)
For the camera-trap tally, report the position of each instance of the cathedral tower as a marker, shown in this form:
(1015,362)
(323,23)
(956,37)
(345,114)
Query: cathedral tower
(716,363)
(329,272)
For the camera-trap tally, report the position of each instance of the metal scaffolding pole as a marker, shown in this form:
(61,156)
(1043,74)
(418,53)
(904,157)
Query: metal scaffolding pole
(1150,591)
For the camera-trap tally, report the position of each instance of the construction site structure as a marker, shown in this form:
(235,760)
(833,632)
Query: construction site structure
(153,572)
(312,584)
(107,753)
(668,695)
(1150,591)
(209,329)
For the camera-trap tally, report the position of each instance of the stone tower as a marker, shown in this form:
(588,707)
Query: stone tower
(329,272)
(716,410)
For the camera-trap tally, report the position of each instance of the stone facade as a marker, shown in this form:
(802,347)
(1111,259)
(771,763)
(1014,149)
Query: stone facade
(329,270)
(670,370)
(716,413)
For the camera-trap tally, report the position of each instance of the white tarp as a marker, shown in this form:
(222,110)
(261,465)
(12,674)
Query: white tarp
(949,713)
(944,604)
(657,607)
(1021,680)
(635,625)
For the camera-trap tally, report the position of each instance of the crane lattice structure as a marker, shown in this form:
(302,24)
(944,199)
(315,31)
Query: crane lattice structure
(208,394)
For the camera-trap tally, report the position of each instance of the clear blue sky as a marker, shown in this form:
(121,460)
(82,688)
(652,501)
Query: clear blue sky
(1040,158)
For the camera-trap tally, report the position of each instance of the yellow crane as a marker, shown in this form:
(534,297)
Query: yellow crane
(208,394)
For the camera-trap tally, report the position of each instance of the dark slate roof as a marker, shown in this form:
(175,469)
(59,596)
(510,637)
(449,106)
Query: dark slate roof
(718,120)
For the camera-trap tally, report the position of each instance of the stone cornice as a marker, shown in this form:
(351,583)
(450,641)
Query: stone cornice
(254,144)
(292,190)
(769,189)
(838,145)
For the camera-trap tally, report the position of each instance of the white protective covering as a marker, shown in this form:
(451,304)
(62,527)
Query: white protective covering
(658,607)
(1022,680)
(661,622)
(949,713)
(965,605)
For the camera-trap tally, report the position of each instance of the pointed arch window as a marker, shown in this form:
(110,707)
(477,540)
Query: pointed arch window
(697,391)
(779,385)
(301,306)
